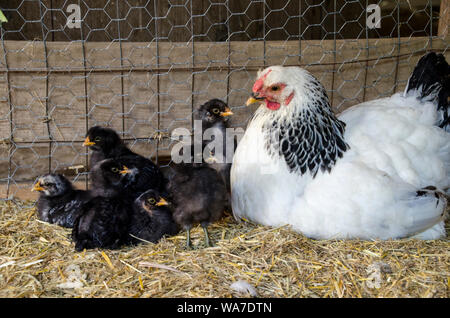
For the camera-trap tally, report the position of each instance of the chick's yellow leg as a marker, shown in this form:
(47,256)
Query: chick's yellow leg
(207,240)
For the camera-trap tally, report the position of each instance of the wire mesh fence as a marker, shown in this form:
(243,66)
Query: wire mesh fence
(142,66)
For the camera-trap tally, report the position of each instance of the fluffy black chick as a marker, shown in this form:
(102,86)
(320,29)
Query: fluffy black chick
(106,143)
(137,175)
(109,177)
(141,175)
(212,113)
(105,218)
(198,194)
(151,219)
(214,116)
(59,202)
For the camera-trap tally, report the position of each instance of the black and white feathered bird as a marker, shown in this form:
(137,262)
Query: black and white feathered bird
(199,196)
(59,202)
(214,116)
(151,218)
(105,218)
(106,143)
(373,172)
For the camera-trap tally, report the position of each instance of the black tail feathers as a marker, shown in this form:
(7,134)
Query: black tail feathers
(430,80)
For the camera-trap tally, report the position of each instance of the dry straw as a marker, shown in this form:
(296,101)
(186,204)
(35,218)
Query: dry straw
(38,260)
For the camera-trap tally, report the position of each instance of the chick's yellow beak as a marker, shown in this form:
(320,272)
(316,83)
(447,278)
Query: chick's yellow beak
(161,202)
(125,170)
(227,112)
(87,142)
(37,187)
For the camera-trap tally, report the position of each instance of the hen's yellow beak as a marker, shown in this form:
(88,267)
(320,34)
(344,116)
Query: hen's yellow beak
(87,142)
(250,101)
(37,187)
(162,202)
(227,112)
(253,100)
(125,170)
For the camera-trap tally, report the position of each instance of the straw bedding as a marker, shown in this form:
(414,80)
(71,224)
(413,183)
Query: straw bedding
(38,260)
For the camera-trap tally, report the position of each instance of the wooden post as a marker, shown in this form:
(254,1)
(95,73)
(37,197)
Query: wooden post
(444,18)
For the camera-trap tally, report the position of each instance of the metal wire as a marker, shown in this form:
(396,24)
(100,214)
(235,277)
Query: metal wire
(142,66)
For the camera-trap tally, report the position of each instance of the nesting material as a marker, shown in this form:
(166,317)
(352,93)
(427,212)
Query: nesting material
(38,260)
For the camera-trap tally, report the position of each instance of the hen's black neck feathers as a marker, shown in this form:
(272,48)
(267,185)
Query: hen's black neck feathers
(311,140)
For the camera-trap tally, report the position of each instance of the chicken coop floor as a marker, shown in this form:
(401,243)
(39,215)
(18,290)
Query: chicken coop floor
(38,260)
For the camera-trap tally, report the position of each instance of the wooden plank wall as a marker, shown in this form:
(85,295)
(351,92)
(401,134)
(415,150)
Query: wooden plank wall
(444,18)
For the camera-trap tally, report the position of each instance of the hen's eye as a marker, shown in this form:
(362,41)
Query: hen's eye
(215,110)
(151,201)
(97,138)
(114,169)
(275,88)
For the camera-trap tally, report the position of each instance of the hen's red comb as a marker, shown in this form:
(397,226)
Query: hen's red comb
(260,82)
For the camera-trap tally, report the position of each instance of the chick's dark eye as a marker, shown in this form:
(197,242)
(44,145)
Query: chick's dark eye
(114,169)
(97,138)
(215,110)
(151,201)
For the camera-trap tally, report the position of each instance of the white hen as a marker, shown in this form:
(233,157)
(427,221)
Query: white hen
(373,172)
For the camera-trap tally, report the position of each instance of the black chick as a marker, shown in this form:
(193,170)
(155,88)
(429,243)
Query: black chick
(141,175)
(198,194)
(106,143)
(214,115)
(152,218)
(109,178)
(105,218)
(137,176)
(59,202)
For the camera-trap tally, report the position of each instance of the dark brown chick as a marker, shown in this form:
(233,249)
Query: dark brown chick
(199,196)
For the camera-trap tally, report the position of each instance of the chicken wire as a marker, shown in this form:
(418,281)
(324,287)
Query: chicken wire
(141,67)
